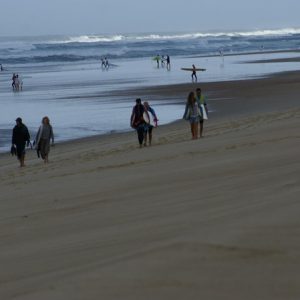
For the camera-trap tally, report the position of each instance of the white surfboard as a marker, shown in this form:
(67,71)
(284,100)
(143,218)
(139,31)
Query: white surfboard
(146,118)
(204,114)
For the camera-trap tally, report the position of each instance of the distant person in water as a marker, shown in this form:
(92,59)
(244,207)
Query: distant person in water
(20,137)
(43,138)
(152,123)
(1,67)
(201,100)
(157,58)
(194,74)
(162,61)
(13,81)
(17,83)
(106,63)
(168,62)
(102,63)
(192,114)
(137,120)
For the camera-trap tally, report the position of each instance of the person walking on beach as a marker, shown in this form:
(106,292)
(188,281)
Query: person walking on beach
(201,100)
(20,137)
(152,123)
(194,74)
(137,120)
(43,137)
(192,114)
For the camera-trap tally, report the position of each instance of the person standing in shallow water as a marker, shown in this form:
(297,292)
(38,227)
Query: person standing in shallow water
(168,62)
(43,137)
(20,137)
(192,114)
(137,120)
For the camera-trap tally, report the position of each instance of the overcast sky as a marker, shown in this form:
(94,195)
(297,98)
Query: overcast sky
(39,17)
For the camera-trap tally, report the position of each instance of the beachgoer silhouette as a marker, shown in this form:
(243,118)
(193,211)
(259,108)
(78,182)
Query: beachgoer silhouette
(106,63)
(20,137)
(157,58)
(192,114)
(194,74)
(168,62)
(13,81)
(162,62)
(102,63)
(43,138)
(137,120)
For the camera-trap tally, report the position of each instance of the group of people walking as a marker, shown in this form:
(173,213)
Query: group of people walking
(21,139)
(143,119)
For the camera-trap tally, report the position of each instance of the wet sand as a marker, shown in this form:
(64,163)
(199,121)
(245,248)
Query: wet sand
(216,218)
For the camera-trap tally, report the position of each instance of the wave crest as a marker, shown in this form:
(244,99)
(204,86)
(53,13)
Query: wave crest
(153,36)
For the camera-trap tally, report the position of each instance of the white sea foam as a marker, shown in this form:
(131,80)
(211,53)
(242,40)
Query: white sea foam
(89,39)
(147,37)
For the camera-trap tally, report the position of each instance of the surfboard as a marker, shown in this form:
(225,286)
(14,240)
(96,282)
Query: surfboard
(146,118)
(203,111)
(191,69)
(156,58)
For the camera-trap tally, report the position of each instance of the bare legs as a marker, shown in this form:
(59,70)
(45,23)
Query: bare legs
(194,131)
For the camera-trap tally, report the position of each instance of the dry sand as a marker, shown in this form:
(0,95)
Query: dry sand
(216,218)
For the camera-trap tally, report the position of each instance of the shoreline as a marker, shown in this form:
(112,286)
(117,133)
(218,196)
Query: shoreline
(216,92)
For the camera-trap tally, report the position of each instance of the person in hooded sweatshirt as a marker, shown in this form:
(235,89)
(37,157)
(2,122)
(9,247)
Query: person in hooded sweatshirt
(43,138)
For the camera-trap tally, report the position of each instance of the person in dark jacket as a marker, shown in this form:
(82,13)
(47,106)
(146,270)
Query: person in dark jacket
(20,137)
(137,120)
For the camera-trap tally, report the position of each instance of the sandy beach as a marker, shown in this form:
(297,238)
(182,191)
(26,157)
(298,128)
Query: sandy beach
(215,218)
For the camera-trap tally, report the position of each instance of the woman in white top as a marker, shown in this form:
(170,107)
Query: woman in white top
(192,113)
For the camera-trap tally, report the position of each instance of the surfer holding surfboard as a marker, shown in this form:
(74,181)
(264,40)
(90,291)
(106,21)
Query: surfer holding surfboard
(150,123)
(194,72)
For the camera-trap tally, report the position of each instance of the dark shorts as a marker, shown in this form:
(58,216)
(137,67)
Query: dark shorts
(194,120)
(20,150)
(148,128)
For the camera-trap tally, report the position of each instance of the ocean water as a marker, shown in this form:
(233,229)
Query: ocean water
(62,75)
